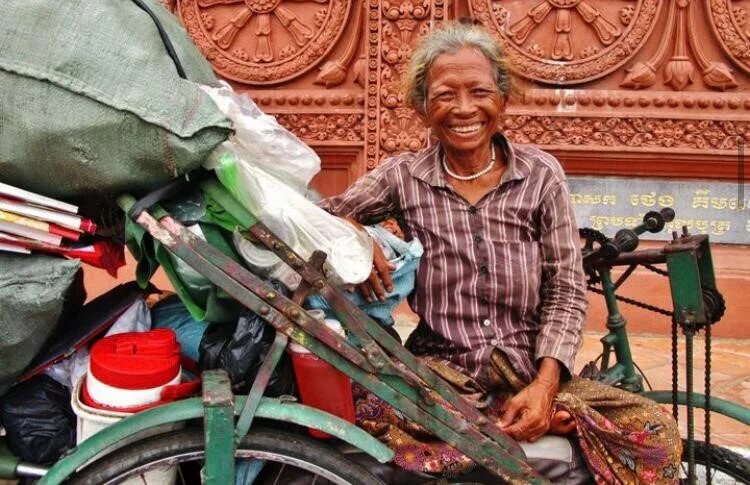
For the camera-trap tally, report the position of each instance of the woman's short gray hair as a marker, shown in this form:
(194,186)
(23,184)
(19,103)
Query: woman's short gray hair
(448,39)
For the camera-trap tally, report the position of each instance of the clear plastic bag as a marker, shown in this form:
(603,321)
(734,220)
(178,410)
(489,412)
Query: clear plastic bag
(267,169)
(260,139)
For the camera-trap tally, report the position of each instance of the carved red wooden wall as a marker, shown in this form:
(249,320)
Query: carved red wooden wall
(636,87)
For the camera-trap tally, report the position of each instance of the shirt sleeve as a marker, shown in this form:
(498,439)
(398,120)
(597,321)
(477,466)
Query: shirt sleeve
(563,290)
(371,197)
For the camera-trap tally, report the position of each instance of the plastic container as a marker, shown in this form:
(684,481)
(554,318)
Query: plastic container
(320,384)
(130,372)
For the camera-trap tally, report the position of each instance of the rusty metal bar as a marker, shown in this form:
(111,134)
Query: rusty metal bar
(453,429)
(369,332)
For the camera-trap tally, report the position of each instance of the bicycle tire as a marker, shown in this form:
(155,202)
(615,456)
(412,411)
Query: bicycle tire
(186,445)
(723,460)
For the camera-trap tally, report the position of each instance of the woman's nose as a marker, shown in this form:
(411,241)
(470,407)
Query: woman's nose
(465,103)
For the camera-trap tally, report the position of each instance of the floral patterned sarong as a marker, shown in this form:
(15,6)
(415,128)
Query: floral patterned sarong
(625,438)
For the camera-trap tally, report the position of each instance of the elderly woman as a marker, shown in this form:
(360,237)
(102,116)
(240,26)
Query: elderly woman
(500,292)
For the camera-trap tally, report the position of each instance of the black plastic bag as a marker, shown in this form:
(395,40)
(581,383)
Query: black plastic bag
(240,349)
(39,420)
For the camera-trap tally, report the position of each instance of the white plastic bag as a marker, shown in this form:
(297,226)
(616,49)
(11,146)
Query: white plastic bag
(259,138)
(268,169)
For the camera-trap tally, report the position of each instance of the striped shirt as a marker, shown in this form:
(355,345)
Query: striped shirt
(503,273)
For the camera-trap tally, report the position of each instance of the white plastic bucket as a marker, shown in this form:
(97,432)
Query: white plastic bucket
(92,420)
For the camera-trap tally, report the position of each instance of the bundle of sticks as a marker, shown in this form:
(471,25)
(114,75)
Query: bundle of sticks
(33,222)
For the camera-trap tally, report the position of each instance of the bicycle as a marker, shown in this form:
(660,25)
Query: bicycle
(697,306)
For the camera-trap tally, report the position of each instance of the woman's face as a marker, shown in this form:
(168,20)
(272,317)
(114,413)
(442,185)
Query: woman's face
(463,104)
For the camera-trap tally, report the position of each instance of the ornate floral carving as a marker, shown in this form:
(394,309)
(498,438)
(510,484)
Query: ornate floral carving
(727,22)
(334,72)
(626,14)
(325,127)
(628,132)
(516,24)
(679,70)
(242,38)
(394,27)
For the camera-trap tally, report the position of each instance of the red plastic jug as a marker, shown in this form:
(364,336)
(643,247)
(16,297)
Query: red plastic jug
(321,385)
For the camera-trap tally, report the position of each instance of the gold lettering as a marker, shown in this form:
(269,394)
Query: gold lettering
(701,225)
(719,202)
(609,200)
(631,221)
(700,199)
(599,222)
(589,199)
(576,198)
(719,228)
(666,200)
(747,226)
(634,199)
(648,199)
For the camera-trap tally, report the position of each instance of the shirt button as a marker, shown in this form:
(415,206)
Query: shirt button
(486,323)
(483,268)
(477,238)
(494,342)
(472,210)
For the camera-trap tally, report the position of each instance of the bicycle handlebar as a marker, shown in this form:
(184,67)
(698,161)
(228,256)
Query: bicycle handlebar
(626,240)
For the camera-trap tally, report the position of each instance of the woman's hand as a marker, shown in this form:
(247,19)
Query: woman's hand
(379,283)
(527,415)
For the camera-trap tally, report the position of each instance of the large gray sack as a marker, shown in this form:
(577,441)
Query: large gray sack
(91,103)
(33,294)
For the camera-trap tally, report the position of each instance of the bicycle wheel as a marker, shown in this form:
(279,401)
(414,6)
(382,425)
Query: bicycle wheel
(727,467)
(286,455)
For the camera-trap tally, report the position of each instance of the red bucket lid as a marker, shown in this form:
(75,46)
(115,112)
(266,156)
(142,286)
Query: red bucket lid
(136,360)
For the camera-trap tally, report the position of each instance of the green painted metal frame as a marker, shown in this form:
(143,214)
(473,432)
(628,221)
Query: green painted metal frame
(690,270)
(383,366)
(717,405)
(187,409)
(218,428)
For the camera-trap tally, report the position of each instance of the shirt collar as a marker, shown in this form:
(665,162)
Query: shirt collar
(427,167)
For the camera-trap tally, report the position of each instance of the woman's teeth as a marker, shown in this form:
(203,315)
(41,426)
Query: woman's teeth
(466,129)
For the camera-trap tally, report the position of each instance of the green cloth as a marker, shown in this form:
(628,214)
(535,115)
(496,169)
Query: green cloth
(91,104)
(33,290)
(204,301)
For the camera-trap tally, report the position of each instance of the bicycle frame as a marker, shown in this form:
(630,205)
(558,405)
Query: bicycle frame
(690,269)
(692,282)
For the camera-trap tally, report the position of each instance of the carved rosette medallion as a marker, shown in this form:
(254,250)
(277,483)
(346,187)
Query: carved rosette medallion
(568,41)
(731,24)
(264,41)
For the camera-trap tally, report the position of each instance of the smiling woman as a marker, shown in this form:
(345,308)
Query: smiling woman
(499,290)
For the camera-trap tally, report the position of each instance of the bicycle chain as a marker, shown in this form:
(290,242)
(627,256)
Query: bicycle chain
(633,302)
(591,236)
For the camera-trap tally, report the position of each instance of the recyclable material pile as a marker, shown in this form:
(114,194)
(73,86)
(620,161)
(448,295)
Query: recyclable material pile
(103,103)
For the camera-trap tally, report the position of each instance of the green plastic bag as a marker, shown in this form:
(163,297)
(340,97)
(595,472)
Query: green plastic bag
(204,301)
(92,104)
